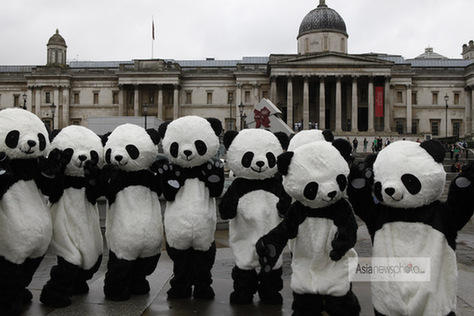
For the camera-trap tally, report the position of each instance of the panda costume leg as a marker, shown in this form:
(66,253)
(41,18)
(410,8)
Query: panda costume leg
(347,305)
(202,277)
(29,268)
(81,286)
(181,282)
(307,304)
(117,278)
(142,268)
(58,290)
(245,286)
(269,287)
(11,287)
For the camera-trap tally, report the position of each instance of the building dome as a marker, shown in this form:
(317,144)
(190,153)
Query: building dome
(322,19)
(430,54)
(57,39)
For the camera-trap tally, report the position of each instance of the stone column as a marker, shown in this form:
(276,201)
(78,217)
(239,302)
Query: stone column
(66,115)
(38,102)
(338,104)
(388,106)
(468,113)
(409,110)
(322,104)
(175,102)
(306,103)
(371,105)
(136,107)
(273,89)
(57,115)
(29,99)
(355,106)
(121,100)
(289,103)
(160,102)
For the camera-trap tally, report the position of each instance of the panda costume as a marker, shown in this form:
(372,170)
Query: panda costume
(407,220)
(134,225)
(25,220)
(192,179)
(321,228)
(255,203)
(77,238)
(309,136)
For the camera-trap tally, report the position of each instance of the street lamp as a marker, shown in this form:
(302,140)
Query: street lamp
(145,111)
(446,98)
(24,101)
(53,110)
(231,98)
(241,110)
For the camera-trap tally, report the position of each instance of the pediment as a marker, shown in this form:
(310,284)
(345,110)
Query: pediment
(325,59)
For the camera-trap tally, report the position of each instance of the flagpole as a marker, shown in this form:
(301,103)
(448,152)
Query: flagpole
(152,34)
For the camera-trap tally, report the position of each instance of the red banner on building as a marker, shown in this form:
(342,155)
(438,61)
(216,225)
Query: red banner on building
(378,101)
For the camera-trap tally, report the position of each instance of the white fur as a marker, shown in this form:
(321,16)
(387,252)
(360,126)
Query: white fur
(190,220)
(25,222)
(313,270)
(76,228)
(404,157)
(317,161)
(134,226)
(305,137)
(413,240)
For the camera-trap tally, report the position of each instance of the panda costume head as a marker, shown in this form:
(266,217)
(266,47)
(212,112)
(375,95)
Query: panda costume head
(409,174)
(309,136)
(190,141)
(252,153)
(315,174)
(131,147)
(22,134)
(79,145)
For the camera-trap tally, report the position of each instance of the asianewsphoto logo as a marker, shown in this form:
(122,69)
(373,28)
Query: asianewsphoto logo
(383,269)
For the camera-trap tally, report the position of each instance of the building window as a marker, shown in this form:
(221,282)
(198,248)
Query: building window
(343,45)
(247,96)
(0,99)
(435,128)
(326,42)
(75,121)
(399,127)
(16,100)
(151,98)
(265,94)
(456,98)
(76,97)
(189,99)
(115,97)
(414,127)
(47,97)
(456,128)
(96,97)
(399,97)
(414,98)
(230,98)
(209,97)
(435,100)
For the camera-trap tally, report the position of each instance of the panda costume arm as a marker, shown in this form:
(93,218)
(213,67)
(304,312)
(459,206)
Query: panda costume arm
(212,174)
(5,173)
(230,200)
(460,196)
(51,174)
(270,246)
(346,236)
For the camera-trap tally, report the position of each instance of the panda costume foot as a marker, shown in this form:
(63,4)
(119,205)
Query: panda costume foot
(175,293)
(203,292)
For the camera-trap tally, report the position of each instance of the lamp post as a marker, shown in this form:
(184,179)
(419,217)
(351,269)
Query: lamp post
(241,110)
(231,98)
(24,101)
(53,110)
(446,98)
(145,111)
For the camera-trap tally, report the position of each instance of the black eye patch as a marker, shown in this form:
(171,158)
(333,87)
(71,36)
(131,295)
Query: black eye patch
(108,155)
(247,159)
(174,150)
(94,156)
(132,151)
(412,183)
(311,190)
(12,139)
(271,160)
(200,147)
(341,181)
(68,152)
(42,141)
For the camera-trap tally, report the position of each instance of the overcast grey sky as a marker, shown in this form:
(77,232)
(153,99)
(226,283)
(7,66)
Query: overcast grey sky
(104,30)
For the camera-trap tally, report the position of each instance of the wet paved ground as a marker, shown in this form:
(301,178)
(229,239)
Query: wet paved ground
(156,303)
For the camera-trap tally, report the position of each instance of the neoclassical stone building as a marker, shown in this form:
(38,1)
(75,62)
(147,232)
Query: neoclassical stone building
(322,86)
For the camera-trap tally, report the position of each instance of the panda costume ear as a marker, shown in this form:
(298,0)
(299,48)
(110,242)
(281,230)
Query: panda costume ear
(435,149)
(283,162)
(104,138)
(216,125)
(283,139)
(162,129)
(344,148)
(229,138)
(53,134)
(327,133)
(154,135)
